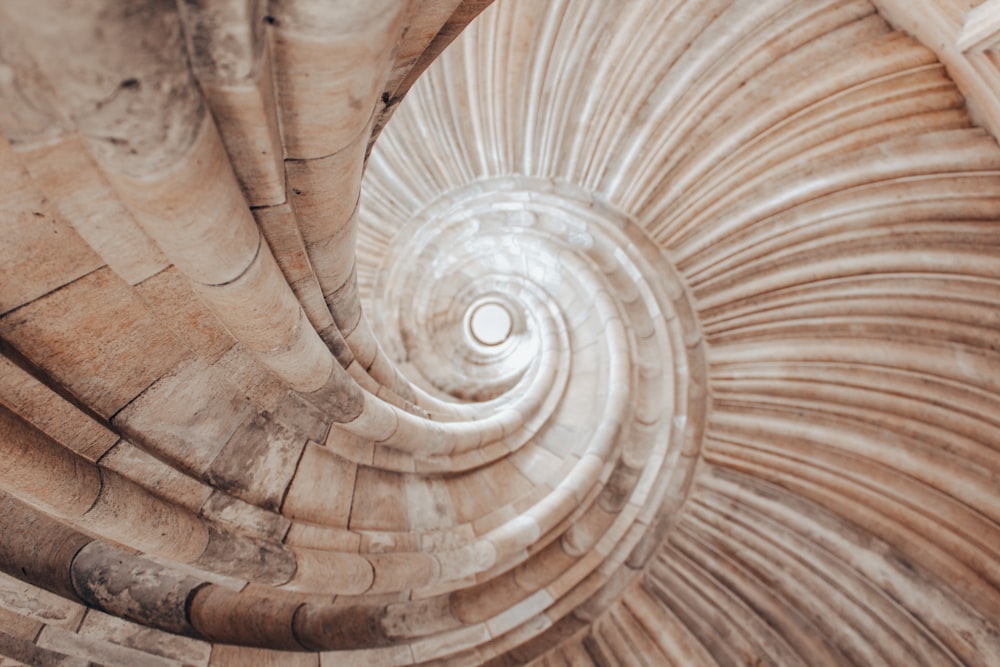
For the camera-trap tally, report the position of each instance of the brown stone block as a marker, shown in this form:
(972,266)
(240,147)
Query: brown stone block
(38,470)
(379,501)
(226,655)
(24,652)
(619,487)
(193,208)
(66,173)
(429,504)
(170,297)
(324,193)
(402,571)
(134,587)
(472,498)
(419,618)
(555,641)
(39,252)
(438,646)
(186,417)
(158,477)
(98,625)
(258,462)
(330,64)
(480,603)
(250,519)
(37,549)
(248,618)
(422,24)
(242,369)
(16,625)
(326,627)
(97,651)
(330,572)
(248,124)
(322,490)
(105,352)
(51,413)
(587,530)
(387,656)
(256,304)
(29,112)
(334,340)
(341,397)
(306,418)
(237,555)
(321,537)
(543,568)
(345,305)
(252,310)
(128,514)
(506,482)
(34,603)
(279,226)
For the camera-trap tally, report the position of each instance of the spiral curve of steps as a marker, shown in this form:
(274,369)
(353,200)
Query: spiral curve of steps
(742,406)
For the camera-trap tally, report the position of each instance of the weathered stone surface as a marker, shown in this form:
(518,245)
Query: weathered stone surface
(152,473)
(40,251)
(186,417)
(226,655)
(382,505)
(248,124)
(258,462)
(223,616)
(18,626)
(250,519)
(38,549)
(236,555)
(130,515)
(32,463)
(341,396)
(323,488)
(227,46)
(330,64)
(178,307)
(88,349)
(35,605)
(324,193)
(107,628)
(66,173)
(135,102)
(29,112)
(344,627)
(98,651)
(131,586)
(279,224)
(26,652)
(305,417)
(330,573)
(241,368)
(51,413)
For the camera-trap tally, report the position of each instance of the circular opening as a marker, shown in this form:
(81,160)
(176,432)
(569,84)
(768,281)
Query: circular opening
(490,324)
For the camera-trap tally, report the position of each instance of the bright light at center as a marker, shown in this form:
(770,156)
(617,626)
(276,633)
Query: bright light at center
(490,324)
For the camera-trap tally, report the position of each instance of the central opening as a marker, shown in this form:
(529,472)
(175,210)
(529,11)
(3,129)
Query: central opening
(490,323)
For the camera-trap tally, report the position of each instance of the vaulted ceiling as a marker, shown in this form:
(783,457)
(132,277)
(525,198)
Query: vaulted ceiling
(647,332)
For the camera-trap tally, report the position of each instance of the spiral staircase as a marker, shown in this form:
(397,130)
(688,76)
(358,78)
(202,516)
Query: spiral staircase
(561,333)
